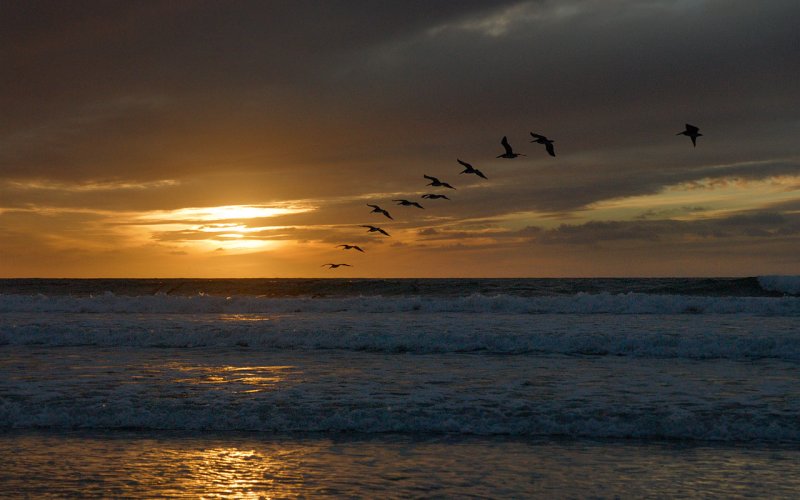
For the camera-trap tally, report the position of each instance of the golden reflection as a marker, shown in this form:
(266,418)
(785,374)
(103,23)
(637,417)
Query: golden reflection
(238,379)
(245,317)
(224,472)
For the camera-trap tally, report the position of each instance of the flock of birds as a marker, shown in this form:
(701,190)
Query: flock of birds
(691,131)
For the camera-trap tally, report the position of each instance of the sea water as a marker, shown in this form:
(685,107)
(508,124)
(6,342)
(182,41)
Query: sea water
(490,387)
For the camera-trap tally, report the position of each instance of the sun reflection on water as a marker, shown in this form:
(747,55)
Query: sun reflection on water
(240,379)
(225,472)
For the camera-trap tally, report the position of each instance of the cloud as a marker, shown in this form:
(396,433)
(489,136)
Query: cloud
(756,225)
(117,109)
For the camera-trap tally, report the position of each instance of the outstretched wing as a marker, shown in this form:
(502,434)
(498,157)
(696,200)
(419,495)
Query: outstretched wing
(383,232)
(692,129)
(358,248)
(480,174)
(550,149)
(467,165)
(537,136)
(434,179)
(507,146)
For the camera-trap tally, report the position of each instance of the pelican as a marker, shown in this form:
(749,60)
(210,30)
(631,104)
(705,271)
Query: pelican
(436,182)
(407,203)
(434,196)
(509,152)
(548,144)
(334,266)
(373,229)
(693,132)
(351,247)
(469,169)
(377,209)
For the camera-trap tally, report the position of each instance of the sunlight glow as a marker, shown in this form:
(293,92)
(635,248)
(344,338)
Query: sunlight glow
(226,212)
(701,199)
(222,228)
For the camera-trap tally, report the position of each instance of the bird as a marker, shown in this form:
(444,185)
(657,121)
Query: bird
(509,152)
(373,229)
(351,247)
(436,182)
(434,196)
(377,209)
(407,203)
(334,266)
(548,144)
(692,132)
(469,169)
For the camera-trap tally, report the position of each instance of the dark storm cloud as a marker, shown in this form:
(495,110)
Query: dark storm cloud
(407,78)
(251,70)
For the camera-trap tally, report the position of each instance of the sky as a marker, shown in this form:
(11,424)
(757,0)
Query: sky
(245,138)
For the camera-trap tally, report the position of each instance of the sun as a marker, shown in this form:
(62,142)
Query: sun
(236,228)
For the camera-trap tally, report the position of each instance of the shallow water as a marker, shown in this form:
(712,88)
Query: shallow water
(136,464)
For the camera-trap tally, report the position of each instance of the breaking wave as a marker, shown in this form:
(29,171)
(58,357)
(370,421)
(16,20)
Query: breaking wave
(581,303)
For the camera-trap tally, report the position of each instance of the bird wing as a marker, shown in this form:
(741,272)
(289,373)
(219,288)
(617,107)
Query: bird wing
(507,146)
(374,206)
(358,248)
(537,136)
(434,179)
(480,174)
(386,213)
(692,129)
(464,163)
(382,231)
(550,149)
(447,185)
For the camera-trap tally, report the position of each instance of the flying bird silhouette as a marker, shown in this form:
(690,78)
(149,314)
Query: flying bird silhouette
(334,266)
(407,203)
(436,182)
(692,132)
(377,209)
(509,152)
(351,247)
(469,169)
(548,144)
(434,196)
(373,229)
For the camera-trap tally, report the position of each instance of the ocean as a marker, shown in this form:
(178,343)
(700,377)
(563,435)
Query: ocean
(494,388)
